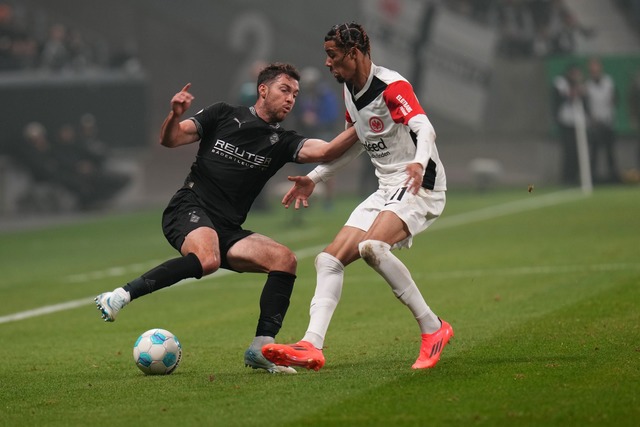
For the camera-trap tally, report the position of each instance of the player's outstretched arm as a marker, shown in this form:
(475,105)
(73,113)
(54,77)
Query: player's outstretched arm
(317,150)
(302,188)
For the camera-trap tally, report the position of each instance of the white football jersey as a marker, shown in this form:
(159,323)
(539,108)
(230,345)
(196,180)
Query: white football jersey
(380,113)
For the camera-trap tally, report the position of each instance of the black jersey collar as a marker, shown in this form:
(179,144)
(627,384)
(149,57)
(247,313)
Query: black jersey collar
(372,88)
(253,111)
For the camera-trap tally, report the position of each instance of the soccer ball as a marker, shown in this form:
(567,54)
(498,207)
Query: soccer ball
(157,352)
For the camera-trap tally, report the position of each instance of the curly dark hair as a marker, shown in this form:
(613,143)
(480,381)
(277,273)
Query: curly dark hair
(349,35)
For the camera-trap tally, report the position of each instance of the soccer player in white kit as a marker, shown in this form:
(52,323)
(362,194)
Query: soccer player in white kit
(397,135)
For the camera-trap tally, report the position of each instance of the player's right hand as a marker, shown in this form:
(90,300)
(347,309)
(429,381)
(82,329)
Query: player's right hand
(181,101)
(302,188)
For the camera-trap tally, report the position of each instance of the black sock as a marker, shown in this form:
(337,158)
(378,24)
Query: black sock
(274,302)
(166,274)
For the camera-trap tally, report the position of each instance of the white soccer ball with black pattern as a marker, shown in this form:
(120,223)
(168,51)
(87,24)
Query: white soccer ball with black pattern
(157,352)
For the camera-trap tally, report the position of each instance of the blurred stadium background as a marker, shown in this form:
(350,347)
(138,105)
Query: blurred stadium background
(482,69)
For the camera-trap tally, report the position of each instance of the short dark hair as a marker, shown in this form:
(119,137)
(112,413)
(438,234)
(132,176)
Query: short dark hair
(350,35)
(273,70)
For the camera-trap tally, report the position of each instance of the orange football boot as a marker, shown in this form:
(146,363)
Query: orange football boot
(432,346)
(302,353)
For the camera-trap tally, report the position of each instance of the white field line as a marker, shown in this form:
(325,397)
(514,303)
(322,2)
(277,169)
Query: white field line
(528,271)
(508,208)
(453,221)
(516,271)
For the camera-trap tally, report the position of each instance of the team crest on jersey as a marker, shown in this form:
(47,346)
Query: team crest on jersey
(274,138)
(376,124)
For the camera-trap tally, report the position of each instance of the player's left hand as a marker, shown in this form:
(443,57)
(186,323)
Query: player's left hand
(302,188)
(415,173)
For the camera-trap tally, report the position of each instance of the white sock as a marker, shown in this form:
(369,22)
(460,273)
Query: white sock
(378,255)
(330,275)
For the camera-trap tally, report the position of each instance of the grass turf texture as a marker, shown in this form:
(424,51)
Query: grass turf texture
(543,300)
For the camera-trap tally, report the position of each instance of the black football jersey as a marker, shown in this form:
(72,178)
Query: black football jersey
(238,153)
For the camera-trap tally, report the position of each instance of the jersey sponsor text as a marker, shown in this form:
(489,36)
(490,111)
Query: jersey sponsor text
(376,149)
(241,156)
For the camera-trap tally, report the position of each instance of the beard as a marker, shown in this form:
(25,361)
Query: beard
(279,116)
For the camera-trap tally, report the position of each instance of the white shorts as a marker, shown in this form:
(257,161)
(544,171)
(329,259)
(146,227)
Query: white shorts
(417,211)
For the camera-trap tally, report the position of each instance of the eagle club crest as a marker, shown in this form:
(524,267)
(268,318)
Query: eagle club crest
(376,124)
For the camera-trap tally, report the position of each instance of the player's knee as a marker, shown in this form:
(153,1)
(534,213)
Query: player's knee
(372,250)
(284,260)
(327,262)
(210,263)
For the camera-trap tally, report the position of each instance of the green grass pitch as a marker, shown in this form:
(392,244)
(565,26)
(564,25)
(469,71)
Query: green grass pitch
(542,290)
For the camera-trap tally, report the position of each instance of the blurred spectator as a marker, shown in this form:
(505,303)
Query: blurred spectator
(77,171)
(634,111)
(526,27)
(516,27)
(564,30)
(567,90)
(73,166)
(318,107)
(602,100)
(88,134)
(83,171)
(55,54)
(97,151)
(80,52)
(35,155)
(317,114)
(32,42)
(541,12)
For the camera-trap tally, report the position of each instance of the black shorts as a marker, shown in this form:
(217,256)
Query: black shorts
(185,213)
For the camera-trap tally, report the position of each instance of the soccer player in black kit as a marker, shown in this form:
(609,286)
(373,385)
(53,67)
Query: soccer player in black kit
(240,148)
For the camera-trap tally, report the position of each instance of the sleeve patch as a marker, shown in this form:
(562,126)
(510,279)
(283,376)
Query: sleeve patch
(402,102)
